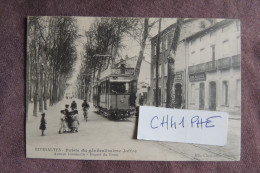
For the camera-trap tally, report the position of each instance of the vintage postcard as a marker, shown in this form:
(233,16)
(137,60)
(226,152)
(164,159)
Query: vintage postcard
(87,76)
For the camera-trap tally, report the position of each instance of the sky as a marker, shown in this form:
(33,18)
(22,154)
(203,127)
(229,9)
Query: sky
(132,47)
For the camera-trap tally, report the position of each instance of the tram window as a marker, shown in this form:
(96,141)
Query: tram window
(127,87)
(130,86)
(107,87)
(102,87)
(118,87)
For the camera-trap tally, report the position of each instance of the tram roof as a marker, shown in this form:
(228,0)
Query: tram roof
(117,72)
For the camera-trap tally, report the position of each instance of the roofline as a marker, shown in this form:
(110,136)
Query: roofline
(138,57)
(172,26)
(207,30)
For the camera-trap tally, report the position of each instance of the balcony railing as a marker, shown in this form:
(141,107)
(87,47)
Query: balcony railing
(236,60)
(211,66)
(192,69)
(224,63)
(200,68)
(220,64)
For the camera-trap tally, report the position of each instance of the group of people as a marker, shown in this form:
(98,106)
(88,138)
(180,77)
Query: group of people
(69,122)
(69,119)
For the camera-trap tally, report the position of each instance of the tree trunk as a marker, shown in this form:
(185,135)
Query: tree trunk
(170,100)
(157,64)
(35,99)
(45,91)
(91,86)
(141,52)
(31,74)
(116,46)
(53,88)
(50,91)
(41,89)
(90,90)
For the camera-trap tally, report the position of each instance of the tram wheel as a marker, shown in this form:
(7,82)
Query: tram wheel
(117,118)
(113,116)
(109,117)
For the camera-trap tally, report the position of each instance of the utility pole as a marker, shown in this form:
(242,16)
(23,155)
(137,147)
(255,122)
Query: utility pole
(157,64)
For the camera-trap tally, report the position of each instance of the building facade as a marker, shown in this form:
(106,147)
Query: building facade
(214,74)
(207,65)
(190,26)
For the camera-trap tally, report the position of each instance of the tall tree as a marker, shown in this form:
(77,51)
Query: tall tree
(104,38)
(142,48)
(33,52)
(143,34)
(51,54)
(170,100)
(62,54)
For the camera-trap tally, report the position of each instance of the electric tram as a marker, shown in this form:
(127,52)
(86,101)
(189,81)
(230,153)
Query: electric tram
(114,94)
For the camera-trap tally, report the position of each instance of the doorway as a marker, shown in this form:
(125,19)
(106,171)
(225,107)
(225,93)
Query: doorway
(202,96)
(178,95)
(212,96)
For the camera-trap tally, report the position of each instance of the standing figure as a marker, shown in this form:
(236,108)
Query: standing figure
(141,100)
(85,107)
(75,122)
(43,124)
(132,99)
(63,125)
(68,118)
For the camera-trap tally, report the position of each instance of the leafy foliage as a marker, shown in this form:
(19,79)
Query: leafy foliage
(51,53)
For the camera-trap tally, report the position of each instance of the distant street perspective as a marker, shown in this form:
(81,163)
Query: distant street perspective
(87,76)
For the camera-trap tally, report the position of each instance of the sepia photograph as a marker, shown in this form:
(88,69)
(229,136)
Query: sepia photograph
(86,78)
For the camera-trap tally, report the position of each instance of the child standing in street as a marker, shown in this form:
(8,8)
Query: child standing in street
(43,124)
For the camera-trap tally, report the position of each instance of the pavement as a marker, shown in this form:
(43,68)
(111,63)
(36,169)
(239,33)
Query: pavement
(117,139)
